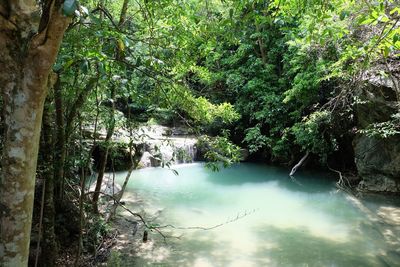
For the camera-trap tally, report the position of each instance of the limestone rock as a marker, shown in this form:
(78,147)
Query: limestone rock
(108,187)
(377,159)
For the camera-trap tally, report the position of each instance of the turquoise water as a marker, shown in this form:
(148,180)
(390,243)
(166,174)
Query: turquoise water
(267,218)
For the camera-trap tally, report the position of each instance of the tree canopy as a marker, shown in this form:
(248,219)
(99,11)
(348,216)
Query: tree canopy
(276,77)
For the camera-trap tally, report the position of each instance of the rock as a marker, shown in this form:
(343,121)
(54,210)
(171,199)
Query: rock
(148,160)
(108,187)
(378,163)
(377,159)
(88,133)
(119,157)
(172,150)
(378,183)
(180,131)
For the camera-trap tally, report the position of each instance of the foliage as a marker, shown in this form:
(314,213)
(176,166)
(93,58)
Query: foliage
(95,232)
(115,259)
(282,63)
(313,134)
(384,129)
(255,139)
(219,150)
(273,76)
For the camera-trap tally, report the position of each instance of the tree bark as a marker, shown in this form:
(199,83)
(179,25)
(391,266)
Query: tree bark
(60,144)
(26,57)
(76,107)
(124,10)
(260,43)
(110,130)
(104,155)
(49,238)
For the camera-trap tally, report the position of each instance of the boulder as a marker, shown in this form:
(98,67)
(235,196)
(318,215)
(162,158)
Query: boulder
(108,187)
(119,157)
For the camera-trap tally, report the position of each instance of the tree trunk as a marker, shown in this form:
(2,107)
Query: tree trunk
(104,156)
(103,159)
(49,238)
(260,43)
(65,129)
(122,16)
(60,144)
(139,150)
(27,53)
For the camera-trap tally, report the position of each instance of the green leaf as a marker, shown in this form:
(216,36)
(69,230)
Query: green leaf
(68,63)
(386,51)
(84,66)
(394,10)
(383,18)
(367,21)
(57,67)
(121,45)
(69,7)
(396,38)
(344,14)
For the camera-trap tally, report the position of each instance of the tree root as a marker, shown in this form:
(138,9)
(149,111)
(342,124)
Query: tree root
(343,183)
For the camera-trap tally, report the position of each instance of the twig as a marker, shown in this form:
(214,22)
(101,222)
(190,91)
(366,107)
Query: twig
(125,208)
(341,184)
(157,228)
(238,217)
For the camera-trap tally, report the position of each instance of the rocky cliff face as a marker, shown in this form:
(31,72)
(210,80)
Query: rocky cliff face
(377,159)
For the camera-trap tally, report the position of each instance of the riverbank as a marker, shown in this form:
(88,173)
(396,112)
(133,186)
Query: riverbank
(130,249)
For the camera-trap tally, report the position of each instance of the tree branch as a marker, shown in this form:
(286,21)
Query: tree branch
(157,228)
(294,169)
(108,15)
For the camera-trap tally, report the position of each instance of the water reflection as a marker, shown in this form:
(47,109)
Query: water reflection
(299,247)
(288,224)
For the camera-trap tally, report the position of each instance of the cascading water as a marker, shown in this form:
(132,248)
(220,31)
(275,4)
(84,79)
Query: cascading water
(163,149)
(172,150)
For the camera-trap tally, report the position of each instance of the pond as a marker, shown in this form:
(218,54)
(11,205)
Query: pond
(263,218)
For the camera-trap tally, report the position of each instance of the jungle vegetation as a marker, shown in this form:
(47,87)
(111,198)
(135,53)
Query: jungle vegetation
(277,77)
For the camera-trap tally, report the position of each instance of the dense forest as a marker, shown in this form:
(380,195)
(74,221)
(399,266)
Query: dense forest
(311,84)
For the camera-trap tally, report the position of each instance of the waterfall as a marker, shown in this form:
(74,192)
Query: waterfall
(186,153)
(162,148)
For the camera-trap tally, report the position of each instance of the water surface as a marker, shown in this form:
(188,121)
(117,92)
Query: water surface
(267,218)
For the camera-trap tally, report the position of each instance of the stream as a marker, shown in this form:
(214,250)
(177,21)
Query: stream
(261,218)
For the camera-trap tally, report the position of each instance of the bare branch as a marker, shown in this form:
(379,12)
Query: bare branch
(294,169)
(157,228)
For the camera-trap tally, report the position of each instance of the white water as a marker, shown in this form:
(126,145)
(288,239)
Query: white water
(301,223)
